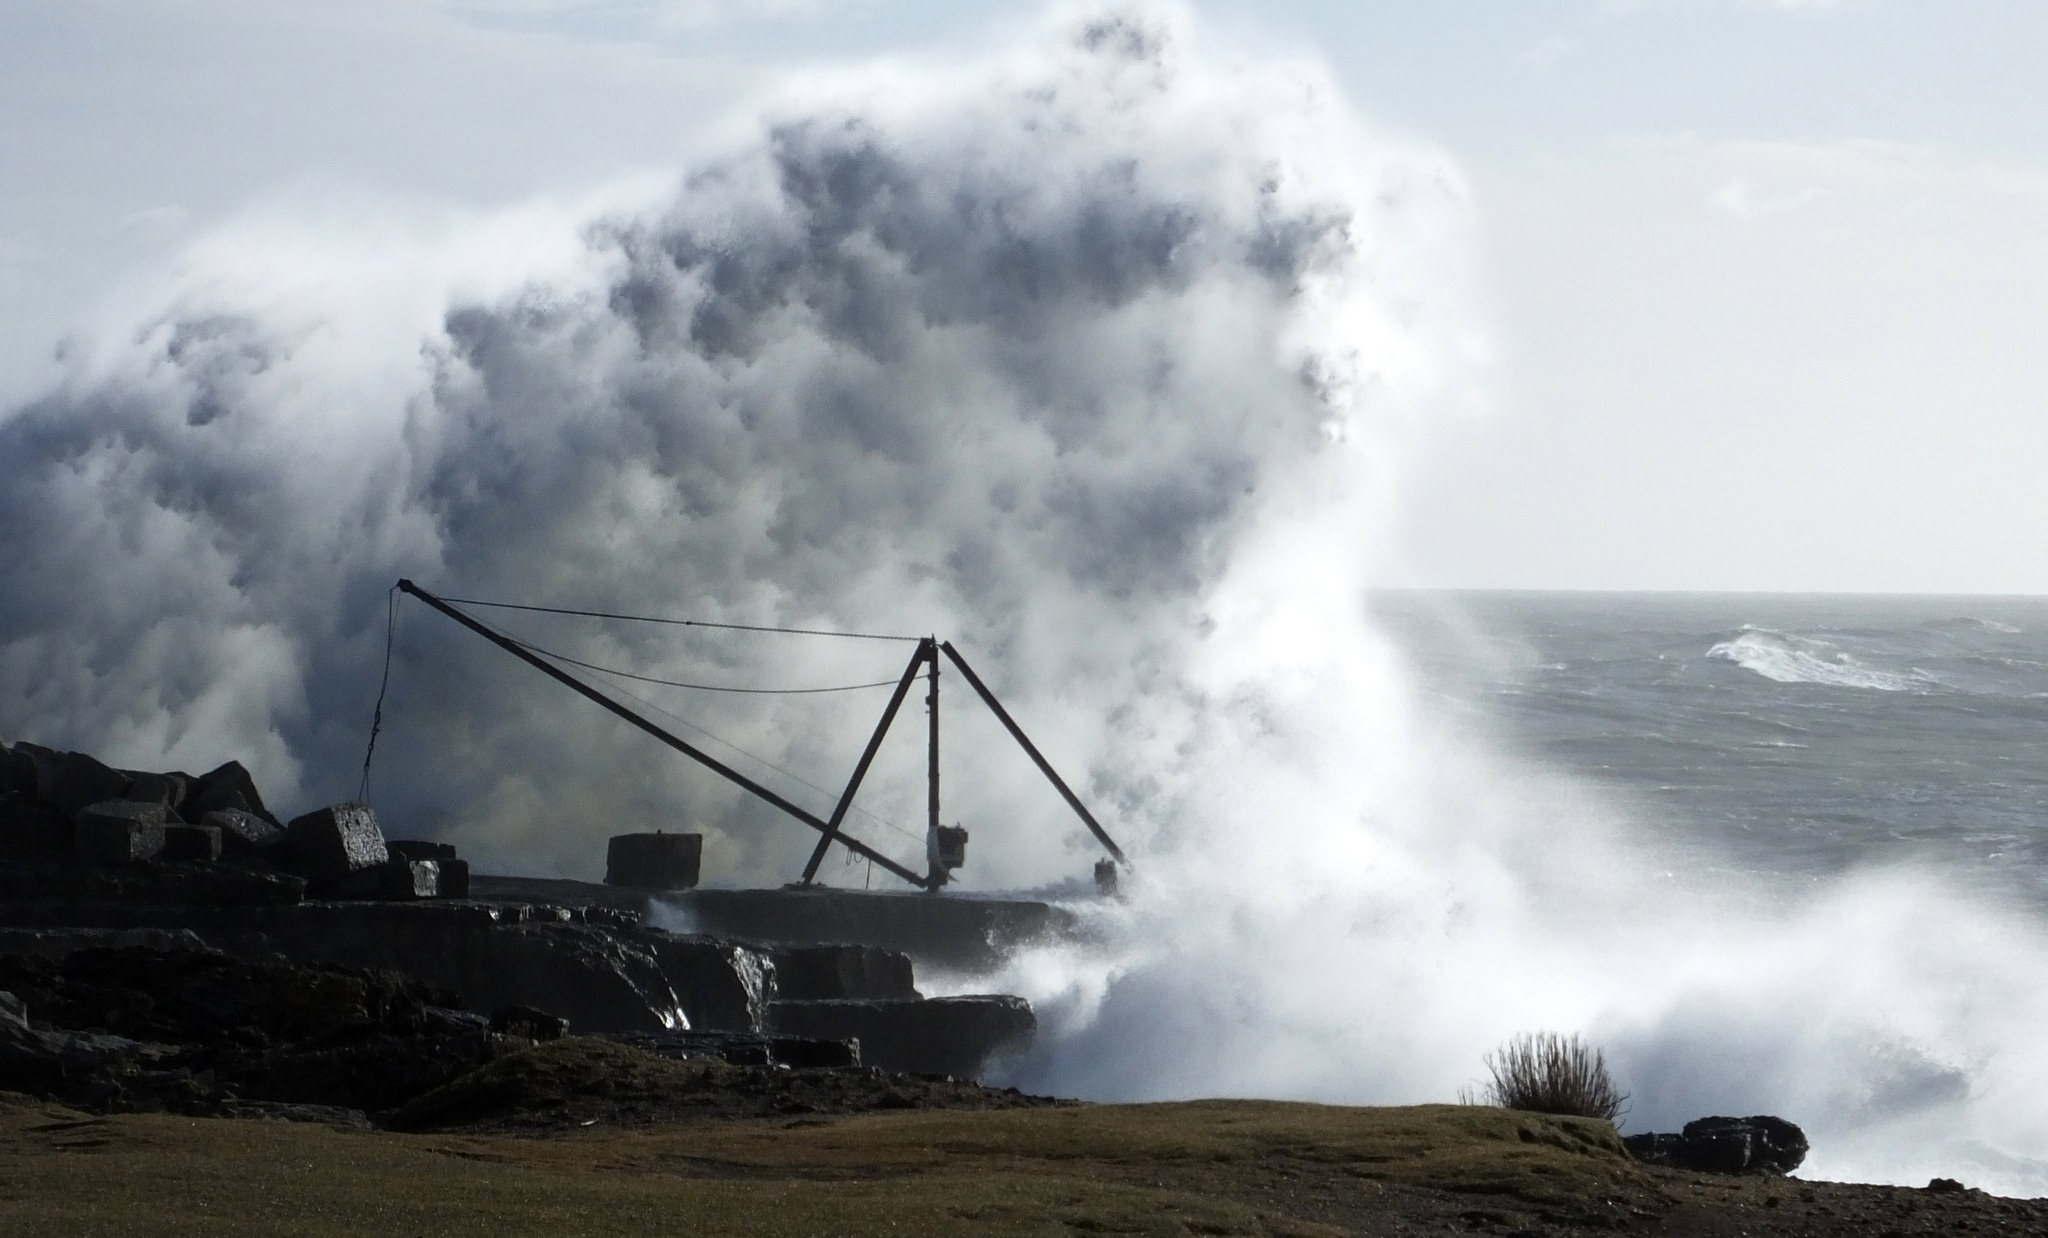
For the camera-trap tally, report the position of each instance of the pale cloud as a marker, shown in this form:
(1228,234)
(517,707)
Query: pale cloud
(1742,199)
(1547,54)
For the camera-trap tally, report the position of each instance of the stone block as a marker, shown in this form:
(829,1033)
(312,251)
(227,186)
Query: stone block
(191,842)
(230,786)
(73,781)
(243,833)
(164,789)
(654,861)
(119,832)
(333,842)
(454,878)
(937,1036)
(393,879)
(840,972)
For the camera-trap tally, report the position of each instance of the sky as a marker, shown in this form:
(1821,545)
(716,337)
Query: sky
(1763,281)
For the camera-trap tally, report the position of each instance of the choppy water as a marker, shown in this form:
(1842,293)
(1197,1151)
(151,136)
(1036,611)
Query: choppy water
(1788,737)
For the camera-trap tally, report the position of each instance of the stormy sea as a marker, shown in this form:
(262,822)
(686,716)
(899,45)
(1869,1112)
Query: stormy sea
(1102,356)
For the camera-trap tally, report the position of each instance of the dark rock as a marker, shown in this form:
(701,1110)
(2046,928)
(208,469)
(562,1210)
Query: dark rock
(936,1036)
(454,878)
(191,842)
(166,790)
(32,830)
(839,972)
(722,986)
(229,787)
(56,890)
(72,781)
(119,832)
(515,1020)
(13,1010)
(393,879)
(17,772)
(654,861)
(281,1111)
(243,833)
(333,842)
(1753,1145)
(747,1048)
(1945,1185)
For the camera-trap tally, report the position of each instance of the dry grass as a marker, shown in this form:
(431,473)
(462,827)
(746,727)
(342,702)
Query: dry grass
(1544,1072)
(1212,1167)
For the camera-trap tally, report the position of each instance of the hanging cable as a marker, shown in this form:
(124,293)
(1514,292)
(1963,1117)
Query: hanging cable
(686,623)
(377,717)
(700,687)
(764,762)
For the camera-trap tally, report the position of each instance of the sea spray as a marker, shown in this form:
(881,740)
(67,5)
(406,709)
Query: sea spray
(1099,357)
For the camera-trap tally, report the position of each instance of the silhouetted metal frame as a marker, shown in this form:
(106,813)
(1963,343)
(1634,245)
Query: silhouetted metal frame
(702,758)
(925,653)
(1044,767)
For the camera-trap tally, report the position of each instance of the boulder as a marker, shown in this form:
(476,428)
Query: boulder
(1752,1145)
(119,832)
(333,842)
(191,842)
(722,986)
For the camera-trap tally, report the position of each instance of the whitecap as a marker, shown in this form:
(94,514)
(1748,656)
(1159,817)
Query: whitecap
(1785,658)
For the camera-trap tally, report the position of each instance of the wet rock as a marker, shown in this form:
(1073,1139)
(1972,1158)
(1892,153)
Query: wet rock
(200,843)
(332,842)
(119,832)
(1752,1145)
(529,1023)
(13,1010)
(839,972)
(747,1048)
(722,986)
(151,889)
(935,1036)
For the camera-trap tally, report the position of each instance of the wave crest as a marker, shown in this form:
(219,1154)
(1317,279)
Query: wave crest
(1785,658)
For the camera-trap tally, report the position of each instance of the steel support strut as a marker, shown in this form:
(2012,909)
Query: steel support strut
(702,758)
(1031,749)
(925,653)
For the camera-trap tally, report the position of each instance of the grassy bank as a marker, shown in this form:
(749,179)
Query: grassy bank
(1209,1167)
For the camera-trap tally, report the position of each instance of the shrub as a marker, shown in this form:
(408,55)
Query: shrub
(1548,1073)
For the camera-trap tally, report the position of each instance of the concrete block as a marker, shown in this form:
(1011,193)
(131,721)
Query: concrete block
(333,842)
(230,786)
(654,861)
(243,833)
(119,832)
(840,972)
(191,842)
(164,789)
(937,1036)
(393,879)
(454,878)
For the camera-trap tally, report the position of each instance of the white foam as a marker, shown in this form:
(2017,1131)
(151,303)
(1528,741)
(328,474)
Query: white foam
(1786,658)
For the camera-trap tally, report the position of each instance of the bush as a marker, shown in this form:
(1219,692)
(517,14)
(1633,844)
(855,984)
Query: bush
(1548,1073)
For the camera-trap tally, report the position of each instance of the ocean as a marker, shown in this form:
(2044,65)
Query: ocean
(1780,739)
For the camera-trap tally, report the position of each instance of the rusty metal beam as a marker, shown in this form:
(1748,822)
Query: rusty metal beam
(1031,749)
(702,758)
(925,652)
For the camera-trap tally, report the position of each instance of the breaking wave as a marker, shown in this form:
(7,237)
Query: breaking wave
(1786,658)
